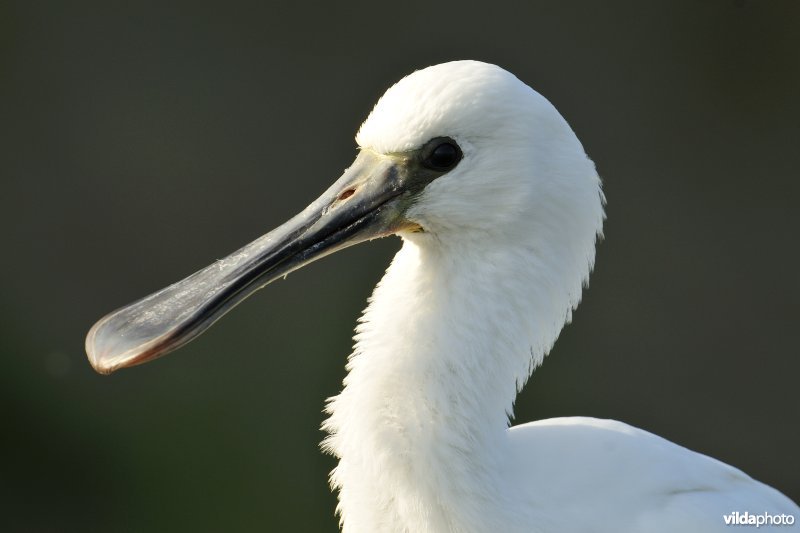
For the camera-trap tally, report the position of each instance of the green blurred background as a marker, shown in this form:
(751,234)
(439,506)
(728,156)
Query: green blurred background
(140,141)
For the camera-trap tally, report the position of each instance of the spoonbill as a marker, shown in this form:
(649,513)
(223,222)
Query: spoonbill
(499,209)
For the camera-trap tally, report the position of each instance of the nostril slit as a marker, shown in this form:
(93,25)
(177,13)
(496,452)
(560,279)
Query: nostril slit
(347,194)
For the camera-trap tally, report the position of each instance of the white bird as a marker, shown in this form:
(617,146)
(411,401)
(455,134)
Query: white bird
(499,209)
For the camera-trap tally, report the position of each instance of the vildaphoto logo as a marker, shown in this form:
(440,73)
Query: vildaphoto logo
(764,519)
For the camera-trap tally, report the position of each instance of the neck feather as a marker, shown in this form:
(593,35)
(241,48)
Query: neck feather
(441,351)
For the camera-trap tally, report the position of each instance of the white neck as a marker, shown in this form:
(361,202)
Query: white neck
(441,351)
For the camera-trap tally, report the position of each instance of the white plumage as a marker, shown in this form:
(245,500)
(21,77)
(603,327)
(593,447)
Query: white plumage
(465,312)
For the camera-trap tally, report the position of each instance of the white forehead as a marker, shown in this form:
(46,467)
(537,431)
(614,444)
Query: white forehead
(461,98)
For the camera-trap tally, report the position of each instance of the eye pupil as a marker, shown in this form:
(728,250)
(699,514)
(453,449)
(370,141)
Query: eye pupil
(444,156)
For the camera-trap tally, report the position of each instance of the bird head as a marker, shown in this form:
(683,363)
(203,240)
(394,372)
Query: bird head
(461,151)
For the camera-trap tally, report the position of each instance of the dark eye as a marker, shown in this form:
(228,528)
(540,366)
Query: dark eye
(441,154)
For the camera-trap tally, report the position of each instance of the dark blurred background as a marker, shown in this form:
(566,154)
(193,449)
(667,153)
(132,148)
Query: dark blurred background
(141,141)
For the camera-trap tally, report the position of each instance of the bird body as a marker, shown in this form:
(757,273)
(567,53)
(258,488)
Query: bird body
(610,476)
(499,209)
(421,427)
